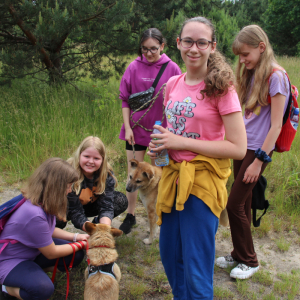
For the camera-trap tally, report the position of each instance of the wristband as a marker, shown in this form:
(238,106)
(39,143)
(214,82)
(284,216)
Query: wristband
(262,155)
(75,236)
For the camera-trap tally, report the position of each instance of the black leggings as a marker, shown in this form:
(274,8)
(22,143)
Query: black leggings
(33,282)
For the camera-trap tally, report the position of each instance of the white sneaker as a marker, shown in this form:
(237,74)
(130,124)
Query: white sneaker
(242,271)
(225,261)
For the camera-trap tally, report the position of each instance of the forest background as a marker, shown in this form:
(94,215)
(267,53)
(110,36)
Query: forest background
(60,69)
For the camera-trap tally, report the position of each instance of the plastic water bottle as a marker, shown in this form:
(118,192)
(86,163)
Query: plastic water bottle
(295,118)
(163,157)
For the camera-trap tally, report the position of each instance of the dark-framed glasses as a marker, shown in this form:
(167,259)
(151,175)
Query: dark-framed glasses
(201,44)
(153,50)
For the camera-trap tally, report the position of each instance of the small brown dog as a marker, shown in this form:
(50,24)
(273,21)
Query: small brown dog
(102,274)
(145,177)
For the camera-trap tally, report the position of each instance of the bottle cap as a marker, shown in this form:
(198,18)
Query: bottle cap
(159,122)
(296,111)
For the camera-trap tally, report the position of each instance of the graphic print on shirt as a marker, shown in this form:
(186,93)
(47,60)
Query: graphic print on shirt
(178,115)
(249,112)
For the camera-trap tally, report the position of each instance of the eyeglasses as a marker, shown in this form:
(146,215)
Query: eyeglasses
(153,50)
(201,44)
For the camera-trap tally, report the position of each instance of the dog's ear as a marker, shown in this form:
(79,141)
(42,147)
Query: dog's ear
(90,227)
(149,174)
(116,232)
(134,163)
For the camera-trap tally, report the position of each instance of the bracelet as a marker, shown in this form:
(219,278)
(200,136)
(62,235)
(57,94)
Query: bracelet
(262,155)
(75,236)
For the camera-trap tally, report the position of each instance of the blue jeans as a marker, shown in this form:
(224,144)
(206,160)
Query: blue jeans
(33,282)
(187,249)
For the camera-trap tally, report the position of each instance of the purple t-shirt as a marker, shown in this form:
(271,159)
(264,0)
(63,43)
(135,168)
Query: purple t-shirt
(258,120)
(138,77)
(32,228)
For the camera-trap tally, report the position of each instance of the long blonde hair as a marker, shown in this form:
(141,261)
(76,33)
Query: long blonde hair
(252,36)
(219,78)
(105,168)
(47,186)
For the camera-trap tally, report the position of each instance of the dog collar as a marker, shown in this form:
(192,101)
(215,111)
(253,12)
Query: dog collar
(87,249)
(107,269)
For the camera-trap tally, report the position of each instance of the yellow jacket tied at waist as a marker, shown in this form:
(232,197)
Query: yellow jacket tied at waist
(204,177)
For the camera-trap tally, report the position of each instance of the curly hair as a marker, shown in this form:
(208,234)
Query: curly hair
(105,168)
(252,36)
(219,78)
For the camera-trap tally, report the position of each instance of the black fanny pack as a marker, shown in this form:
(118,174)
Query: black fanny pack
(143,99)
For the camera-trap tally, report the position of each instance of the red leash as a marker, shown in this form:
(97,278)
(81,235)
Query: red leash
(80,245)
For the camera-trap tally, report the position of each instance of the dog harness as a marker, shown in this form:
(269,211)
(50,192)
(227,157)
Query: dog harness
(107,269)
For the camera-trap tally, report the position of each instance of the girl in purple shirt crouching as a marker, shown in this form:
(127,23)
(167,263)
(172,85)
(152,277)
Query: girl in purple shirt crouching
(38,243)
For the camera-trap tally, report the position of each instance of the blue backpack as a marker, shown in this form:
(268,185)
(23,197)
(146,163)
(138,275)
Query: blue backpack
(6,211)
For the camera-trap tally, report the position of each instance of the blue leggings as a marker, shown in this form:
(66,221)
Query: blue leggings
(33,282)
(187,249)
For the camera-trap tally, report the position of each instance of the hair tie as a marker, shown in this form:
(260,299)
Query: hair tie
(75,237)
(262,155)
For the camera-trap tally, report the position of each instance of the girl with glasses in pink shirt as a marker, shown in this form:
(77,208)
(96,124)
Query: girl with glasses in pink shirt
(201,106)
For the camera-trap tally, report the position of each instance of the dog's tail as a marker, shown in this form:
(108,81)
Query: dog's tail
(224,221)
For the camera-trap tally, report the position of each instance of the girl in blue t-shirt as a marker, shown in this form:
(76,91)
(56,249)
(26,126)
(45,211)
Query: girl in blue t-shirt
(256,79)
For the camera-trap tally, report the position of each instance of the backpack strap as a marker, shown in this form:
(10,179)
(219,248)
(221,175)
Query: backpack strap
(256,223)
(6,242)
(287,111)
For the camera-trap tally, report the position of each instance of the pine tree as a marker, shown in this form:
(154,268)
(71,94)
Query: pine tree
(282,24)
(63,40)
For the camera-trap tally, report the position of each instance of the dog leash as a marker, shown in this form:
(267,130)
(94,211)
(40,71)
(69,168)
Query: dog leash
(80,246)
(133,150)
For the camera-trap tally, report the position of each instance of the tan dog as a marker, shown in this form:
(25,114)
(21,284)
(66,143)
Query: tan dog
(145,177)
(103,274)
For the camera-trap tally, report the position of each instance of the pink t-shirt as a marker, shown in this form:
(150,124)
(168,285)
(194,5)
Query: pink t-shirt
(190,116)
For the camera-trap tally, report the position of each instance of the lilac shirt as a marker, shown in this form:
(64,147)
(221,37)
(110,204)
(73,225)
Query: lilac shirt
(30,226)
(258,120)
(138,77)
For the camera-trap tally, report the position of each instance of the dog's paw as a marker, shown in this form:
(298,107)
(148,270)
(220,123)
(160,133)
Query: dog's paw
(147,241)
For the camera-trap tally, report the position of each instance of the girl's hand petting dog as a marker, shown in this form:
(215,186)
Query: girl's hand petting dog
(82,237)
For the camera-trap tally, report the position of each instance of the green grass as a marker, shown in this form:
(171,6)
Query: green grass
(283,245)
(222,293)
(39,122)
(263,277)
